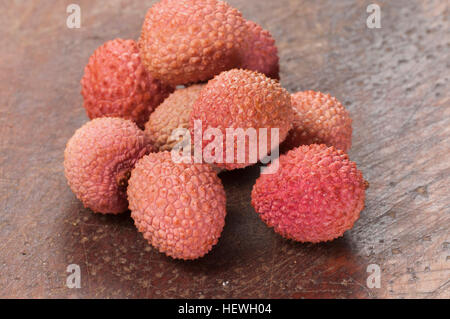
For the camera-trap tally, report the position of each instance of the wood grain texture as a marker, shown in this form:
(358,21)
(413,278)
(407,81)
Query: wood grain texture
(394,81)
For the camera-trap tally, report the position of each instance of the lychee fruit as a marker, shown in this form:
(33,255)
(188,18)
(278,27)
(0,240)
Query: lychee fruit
(315,196)
(179,208)
(261,53)
(236,102)
(319,119)
(173,113)
(98,160)
(190,41)
(116,84)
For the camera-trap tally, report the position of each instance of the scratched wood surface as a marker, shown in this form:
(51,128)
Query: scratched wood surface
(394,81)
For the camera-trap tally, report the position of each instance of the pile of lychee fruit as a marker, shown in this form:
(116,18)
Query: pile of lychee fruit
(200,60)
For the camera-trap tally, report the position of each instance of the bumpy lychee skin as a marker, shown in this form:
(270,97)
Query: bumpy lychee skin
(179,208)
(98,160)
(315,196)
(319,119)
(116,84)
(173,113)
(261,53)
(190,41)
(240,99)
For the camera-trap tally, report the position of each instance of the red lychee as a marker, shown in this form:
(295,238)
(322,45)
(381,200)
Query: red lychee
(261,53)
(190,41)
(98,160)
(116,84)
(173,113)
(316,194)
(319,119)
(241,100)
(179,208)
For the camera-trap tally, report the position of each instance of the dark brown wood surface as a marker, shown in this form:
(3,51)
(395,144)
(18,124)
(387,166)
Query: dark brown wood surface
(394,81)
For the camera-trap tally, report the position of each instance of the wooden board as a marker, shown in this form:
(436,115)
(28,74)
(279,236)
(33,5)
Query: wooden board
(394,80)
